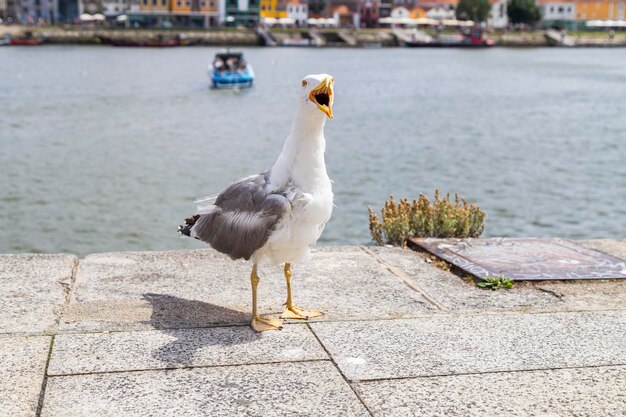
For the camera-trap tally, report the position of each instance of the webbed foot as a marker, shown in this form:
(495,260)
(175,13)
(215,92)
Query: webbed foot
(261,324)
(297,313)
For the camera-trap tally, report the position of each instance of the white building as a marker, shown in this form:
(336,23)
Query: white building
(442,11)
(115,7)
(400,13)
(498,17)
(557,10)
(298,10)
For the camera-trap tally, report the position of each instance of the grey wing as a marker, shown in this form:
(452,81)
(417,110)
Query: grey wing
(244,216)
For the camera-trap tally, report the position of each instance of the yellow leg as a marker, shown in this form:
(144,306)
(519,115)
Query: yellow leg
(261,324)
(291,311)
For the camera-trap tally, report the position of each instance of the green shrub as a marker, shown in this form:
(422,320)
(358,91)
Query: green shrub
(442,219)
(495,283)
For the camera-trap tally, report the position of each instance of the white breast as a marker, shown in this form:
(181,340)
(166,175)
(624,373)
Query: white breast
(293,237)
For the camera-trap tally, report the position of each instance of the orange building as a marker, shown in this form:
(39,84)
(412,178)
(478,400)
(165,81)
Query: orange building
(154,6)
(600,9)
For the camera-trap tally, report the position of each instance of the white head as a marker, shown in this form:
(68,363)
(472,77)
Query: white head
(316,93)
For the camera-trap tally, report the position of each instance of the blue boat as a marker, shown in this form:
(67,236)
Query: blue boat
(231,70)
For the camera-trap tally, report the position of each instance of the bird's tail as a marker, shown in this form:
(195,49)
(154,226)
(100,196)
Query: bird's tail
(185,229)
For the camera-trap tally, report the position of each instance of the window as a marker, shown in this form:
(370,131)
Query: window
(145,2)
(211,4)
(560,9)
(179,3)
(551,9)
(154,2)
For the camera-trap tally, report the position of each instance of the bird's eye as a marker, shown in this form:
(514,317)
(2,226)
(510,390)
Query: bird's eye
(304,83)
(332,80)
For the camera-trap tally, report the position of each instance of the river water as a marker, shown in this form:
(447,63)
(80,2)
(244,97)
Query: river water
(105,149)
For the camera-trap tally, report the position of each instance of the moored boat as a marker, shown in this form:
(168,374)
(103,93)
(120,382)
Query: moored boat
(27,40)
(231,70)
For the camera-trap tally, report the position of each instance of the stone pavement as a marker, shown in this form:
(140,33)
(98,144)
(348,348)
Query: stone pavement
(165,334)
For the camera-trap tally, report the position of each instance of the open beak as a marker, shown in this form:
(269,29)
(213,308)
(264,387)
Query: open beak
(323,97)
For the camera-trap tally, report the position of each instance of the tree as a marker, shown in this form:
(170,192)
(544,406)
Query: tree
(523,11)
(476,10)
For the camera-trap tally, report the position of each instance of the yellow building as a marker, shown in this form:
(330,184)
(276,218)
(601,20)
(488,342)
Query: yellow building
(600,9)
(275,9)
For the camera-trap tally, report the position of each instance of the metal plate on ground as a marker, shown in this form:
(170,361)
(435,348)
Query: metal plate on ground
(525,259)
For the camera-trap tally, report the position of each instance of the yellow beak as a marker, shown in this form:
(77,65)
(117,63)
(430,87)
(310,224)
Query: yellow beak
(323,96)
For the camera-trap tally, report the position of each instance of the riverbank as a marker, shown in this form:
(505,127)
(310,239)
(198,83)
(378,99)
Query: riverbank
(250,37)
(145,333)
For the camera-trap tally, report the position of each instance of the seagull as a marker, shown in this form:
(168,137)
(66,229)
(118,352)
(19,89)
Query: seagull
(279,214)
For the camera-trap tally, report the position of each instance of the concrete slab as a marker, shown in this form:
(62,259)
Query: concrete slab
(22,369)
(586,392)
(454,344)
(586,295)
(33,291)
(298,388)
(525,259)
(159,349)
(610,246)
(454,293)
(179,289)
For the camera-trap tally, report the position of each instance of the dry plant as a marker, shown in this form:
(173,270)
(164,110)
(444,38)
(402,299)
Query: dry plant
(419,218)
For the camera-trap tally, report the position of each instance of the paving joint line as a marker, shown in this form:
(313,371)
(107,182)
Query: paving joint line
(332,360)
(181,368)
(424,315)
(44,383)
(404,277)
(68,289)
(559,368)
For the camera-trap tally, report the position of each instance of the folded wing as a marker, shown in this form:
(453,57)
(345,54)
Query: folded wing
(242,218)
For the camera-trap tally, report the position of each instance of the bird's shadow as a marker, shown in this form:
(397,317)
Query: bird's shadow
(186,320)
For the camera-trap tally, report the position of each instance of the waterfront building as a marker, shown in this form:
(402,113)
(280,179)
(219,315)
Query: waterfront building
(194,13)
(154,6)
(298,10)
(317,8)
(439,9)
(10,11)
(600,10)
(557,12)
(274,9)
(241,12)
(498,17)
(33,11)
(111,8)
(345,14)
(172,13)
(369,13)
(69,10)
(402,12)
(384,8)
